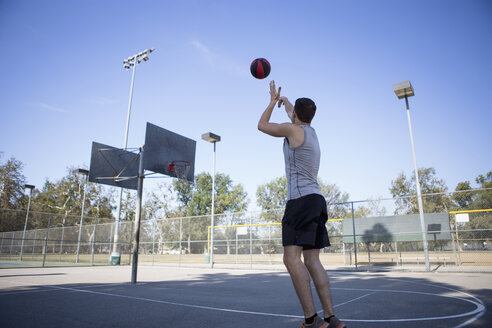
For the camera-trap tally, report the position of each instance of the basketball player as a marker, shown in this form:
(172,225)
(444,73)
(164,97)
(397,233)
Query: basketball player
(303,224)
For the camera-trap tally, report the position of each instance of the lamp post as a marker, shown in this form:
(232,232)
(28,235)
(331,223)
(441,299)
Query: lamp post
(213,138)
(131,61)
(30,187)
(86,173)
(405,90)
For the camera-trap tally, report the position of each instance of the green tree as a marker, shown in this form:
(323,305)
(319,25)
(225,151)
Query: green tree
(12,196)
(65,196)
(483,199)
(463,198)
(12,185)
(403,187)
(272,197)
(195,199)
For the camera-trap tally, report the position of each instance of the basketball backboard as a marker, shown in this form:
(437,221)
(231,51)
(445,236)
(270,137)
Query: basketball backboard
(162,147)
(113,166)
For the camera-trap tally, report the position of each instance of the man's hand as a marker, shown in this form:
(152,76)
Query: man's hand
(274,94)
(281,101)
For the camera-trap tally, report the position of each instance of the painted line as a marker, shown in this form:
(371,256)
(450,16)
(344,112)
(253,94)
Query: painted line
(175,303)
(51,290)
(469,321)
(355,299)
(480,308)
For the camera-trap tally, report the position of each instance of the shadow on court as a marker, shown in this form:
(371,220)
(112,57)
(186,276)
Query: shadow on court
(186,297)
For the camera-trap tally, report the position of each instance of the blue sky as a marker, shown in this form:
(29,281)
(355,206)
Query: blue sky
(63,85)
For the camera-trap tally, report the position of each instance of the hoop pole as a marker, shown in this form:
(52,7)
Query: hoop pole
(212,216)
(138,216)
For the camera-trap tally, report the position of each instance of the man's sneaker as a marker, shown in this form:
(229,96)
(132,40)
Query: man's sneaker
(318,323)
(335,323)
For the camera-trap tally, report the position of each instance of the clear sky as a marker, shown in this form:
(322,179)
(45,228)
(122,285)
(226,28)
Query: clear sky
(63,84)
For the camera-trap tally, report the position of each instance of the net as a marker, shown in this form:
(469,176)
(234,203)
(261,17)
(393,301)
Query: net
(180,169)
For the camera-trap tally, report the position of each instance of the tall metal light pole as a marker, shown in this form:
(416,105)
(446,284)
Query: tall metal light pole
(86,173)
(213,138)
(30,187)
(131,61)
(405,90)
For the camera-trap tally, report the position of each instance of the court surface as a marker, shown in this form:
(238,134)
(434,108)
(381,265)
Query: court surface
(201,297)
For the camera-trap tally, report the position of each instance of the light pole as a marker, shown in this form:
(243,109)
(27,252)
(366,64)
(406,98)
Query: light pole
(86,173)
(131,61)
(405,90)
(213,138)
(30,187)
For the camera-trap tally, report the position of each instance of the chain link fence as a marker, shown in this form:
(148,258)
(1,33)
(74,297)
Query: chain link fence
(362,235)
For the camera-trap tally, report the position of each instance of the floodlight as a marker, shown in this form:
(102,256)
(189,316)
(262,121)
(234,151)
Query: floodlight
(28,186)
(403,90)
(210,137)
(82,171)
(145,58)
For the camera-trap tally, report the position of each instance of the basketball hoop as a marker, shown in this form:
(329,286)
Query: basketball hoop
(179,168)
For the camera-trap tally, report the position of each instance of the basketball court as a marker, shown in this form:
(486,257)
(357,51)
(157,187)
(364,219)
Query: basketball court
(188,297)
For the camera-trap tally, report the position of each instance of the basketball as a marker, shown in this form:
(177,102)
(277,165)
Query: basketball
(260,68)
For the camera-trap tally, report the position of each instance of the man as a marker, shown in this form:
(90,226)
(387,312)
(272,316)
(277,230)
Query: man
(303,224)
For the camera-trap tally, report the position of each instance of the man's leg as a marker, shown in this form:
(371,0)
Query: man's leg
(300,278)
(320,279)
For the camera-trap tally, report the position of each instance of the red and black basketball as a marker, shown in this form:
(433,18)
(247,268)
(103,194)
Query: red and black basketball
(260,68)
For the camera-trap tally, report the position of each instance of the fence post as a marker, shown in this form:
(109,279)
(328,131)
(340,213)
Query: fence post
(62,237)
(46,240)
(180,239)
(94,242)
(131,244)
(34,243)
(11,243)
(153,240)
(355,241)
(250,242)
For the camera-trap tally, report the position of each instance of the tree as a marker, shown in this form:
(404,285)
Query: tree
(273,196)
(12,184)
(12,195)
(403,187)
(195,199)
(65,197)
(483,199)
(463,198)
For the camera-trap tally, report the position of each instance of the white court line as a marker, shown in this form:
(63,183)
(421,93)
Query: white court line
(458,291)
(178,304)
(52,290)
(477,312)
(355,299)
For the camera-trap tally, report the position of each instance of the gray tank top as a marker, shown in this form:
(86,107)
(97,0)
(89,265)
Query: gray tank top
(302,165)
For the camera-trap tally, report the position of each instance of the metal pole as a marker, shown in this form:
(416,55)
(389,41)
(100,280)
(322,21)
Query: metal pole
(25,226)
(46,240)
(94,242)
(251,242)
(153,240)
(138,217)
(180,239)
(213,211)
(81,219)
(419,194)
(353,231)
(125,144)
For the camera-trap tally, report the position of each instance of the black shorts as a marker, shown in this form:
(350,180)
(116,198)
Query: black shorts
(304,222)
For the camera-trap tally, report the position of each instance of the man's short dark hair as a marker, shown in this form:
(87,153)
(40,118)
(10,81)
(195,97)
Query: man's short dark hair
(305,109)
